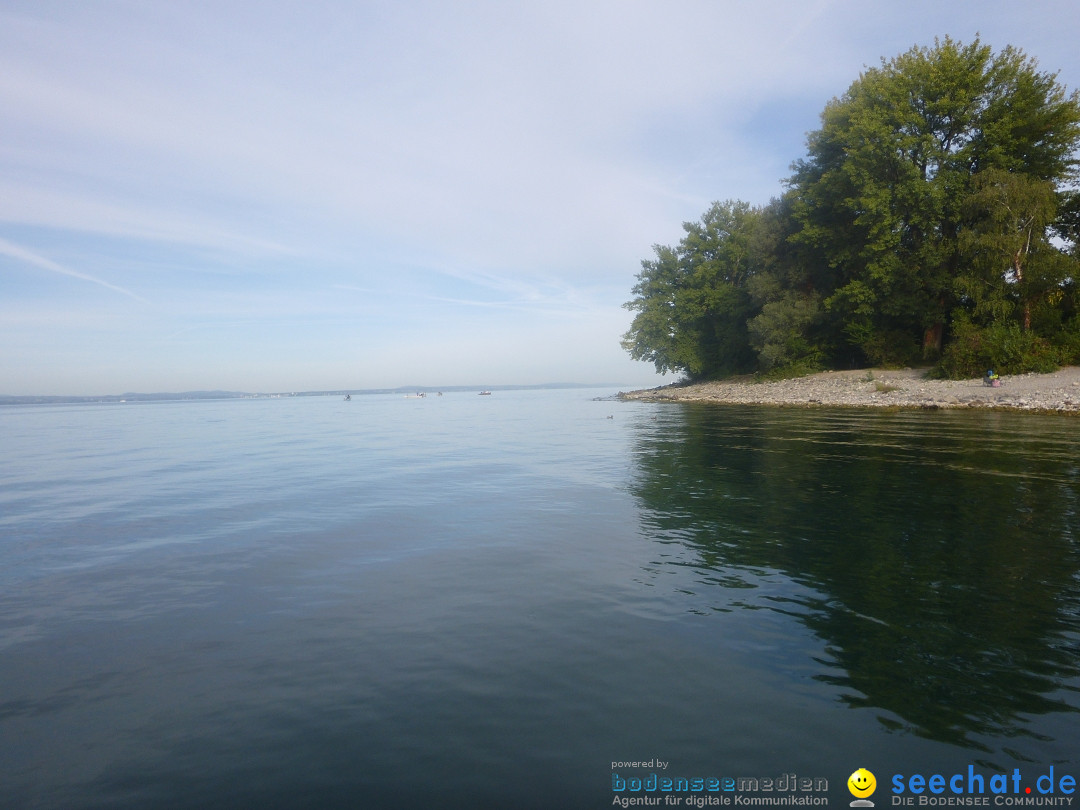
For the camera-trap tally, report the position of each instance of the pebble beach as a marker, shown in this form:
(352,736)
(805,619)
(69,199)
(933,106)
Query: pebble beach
(884,388)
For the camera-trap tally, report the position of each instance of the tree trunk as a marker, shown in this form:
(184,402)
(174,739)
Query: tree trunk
(1018,269)
(931,342)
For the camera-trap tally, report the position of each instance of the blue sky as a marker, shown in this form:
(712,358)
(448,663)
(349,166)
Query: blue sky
(280,196)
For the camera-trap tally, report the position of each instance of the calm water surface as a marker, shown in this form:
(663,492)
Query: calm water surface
(467,601)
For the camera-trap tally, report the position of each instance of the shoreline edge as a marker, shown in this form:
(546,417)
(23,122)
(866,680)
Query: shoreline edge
(1057,392)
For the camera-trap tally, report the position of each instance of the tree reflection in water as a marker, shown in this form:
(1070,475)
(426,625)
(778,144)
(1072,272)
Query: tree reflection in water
(939,551)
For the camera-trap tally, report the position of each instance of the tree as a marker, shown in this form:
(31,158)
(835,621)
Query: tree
(654,336)
(936,211)
(1011,262)
(881,196)
(692,301)
(787,332)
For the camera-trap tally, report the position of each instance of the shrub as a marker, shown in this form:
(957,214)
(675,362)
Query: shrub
(801,368)
(891,349)
(1067,342)
(1004,347)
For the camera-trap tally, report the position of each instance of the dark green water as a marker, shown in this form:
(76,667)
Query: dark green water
(490,602)
(940,553)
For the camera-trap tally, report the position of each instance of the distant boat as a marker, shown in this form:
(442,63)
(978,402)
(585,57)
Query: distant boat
(485,393)
(348,397)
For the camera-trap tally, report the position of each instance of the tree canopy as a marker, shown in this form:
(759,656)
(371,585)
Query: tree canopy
(934,218)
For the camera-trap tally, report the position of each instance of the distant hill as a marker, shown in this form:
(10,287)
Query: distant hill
(128,397)
(197,395)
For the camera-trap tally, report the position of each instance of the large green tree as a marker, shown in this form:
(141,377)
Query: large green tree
(1010,264)
(692,302)
(883,193)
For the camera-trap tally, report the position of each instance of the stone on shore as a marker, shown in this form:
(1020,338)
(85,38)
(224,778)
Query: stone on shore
(884,388)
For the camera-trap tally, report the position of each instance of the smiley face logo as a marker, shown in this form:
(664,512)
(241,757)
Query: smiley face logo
(861,783)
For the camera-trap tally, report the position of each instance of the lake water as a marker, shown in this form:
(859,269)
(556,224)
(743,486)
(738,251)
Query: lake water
(467,601)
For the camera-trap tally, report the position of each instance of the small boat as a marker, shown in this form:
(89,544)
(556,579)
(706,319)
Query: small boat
(348,397)
(485,393)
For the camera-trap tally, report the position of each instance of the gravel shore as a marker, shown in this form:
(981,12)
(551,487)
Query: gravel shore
(884,388)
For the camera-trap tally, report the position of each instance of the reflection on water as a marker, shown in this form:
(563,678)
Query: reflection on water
(934,554)
(467,602)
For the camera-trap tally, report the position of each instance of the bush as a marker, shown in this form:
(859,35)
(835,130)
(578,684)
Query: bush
(1004,347)
(1067,342)
(892,349)
(788,371)
(779,333)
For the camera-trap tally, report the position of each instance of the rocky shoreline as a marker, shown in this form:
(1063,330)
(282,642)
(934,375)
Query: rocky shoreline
(1058,392)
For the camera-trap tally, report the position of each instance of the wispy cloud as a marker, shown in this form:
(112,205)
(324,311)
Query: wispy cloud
(287,180)
(29,257)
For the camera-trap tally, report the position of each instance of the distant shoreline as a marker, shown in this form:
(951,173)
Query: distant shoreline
(1058,392)
(187,396)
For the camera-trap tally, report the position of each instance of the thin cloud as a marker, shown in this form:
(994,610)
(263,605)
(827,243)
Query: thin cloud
(364,188)
(29,257)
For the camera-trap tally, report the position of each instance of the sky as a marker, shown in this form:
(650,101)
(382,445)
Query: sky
(275,196)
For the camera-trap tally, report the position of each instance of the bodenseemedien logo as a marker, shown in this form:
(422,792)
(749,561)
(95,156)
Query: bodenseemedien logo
(651,789)
(862,785)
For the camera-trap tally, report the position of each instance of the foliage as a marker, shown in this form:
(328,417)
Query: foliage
(1067,343)
(691,301)
(1003,347)
(934,216)
(1008,227)
(779,332)
(886,189)
(789,371)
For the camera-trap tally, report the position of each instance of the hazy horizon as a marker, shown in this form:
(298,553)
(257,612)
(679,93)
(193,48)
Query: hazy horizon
(210,393)
(325,195)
